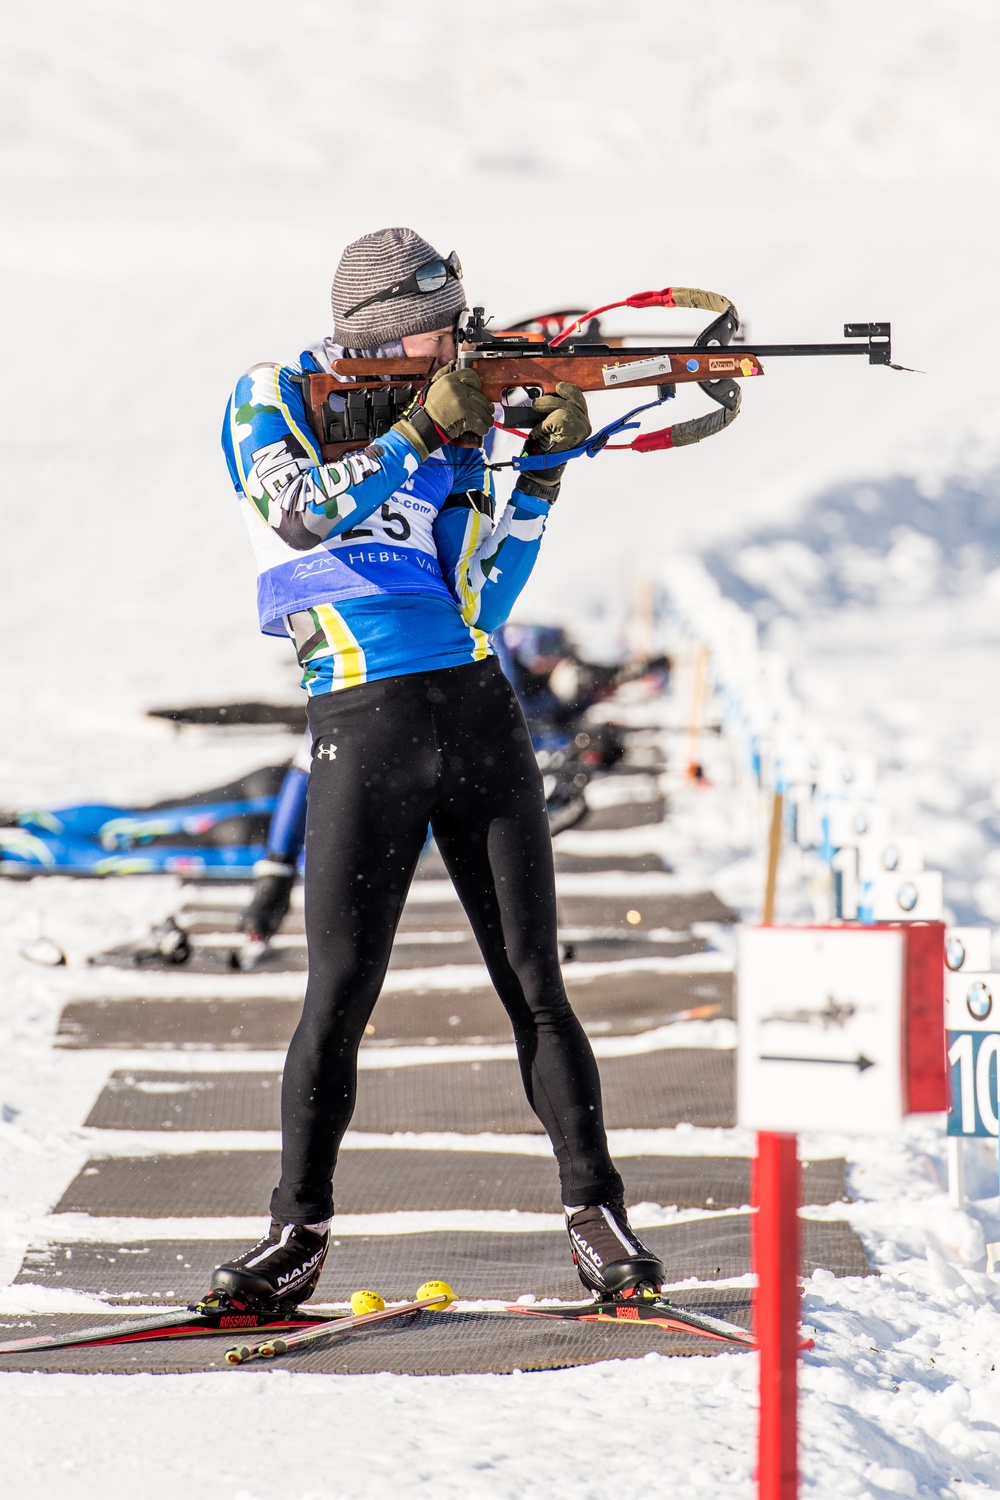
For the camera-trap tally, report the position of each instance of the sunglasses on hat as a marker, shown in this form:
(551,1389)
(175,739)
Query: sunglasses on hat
(429,278)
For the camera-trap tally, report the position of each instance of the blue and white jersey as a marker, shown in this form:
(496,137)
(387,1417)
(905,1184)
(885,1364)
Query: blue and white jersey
(377,565)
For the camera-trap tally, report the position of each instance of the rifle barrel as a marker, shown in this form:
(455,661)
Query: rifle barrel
(769,351)
(637,351)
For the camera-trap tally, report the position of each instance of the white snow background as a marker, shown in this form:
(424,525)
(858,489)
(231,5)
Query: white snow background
(178,181)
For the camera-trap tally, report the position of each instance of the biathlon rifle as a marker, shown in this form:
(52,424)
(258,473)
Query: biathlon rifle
(363,397)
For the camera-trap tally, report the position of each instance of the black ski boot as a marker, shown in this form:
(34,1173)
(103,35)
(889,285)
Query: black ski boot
(281,1268)
(166,943)
(608,1254)
(272,896)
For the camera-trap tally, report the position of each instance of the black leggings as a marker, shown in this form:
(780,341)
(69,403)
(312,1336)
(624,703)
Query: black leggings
(449,748)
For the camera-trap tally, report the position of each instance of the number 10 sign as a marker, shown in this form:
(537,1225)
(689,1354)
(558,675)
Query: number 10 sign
(972,1021)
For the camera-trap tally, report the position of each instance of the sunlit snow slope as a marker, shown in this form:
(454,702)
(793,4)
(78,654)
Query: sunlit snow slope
(180,179)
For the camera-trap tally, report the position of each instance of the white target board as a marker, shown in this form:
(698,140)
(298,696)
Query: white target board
(969,950)
(914,897)
(820,1014)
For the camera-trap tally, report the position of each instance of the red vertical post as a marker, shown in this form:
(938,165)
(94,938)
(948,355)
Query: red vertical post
(775,1252)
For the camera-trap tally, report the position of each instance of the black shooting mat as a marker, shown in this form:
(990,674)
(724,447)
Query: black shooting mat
(221,913)
(639,812)
(592,864)
(429,948)
(675,911)
(451,1343)
(624,815)
(610,926)
(630,914)
(648,1089)
(238,1183)
(477,1263)
(608,1005)
(290,957)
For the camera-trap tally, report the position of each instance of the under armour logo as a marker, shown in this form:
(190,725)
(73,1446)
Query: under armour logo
(326,752)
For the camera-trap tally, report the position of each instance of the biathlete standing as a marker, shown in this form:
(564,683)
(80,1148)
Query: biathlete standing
(388,573)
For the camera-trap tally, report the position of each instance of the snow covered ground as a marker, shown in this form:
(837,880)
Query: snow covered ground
(899,1394)
(178,182)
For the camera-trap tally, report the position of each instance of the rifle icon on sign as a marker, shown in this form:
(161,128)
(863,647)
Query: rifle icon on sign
(835,1013)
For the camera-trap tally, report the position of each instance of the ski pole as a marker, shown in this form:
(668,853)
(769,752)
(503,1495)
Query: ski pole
(436,1294)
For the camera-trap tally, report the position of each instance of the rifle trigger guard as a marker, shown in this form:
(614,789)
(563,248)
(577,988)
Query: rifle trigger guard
(517,417)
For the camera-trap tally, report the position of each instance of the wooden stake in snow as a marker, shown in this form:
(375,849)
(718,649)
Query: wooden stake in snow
(773,858)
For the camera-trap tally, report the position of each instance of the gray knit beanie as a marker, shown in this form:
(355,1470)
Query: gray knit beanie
(373,264)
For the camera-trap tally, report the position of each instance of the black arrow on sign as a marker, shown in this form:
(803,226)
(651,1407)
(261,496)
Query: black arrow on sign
(861,1062)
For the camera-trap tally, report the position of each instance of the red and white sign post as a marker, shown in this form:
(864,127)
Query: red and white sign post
(840,1029)
(775,1258)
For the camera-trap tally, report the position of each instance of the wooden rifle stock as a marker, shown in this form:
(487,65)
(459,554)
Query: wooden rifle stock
(501,373)
(598,368)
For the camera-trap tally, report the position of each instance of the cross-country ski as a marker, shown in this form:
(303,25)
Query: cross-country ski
(213,1315)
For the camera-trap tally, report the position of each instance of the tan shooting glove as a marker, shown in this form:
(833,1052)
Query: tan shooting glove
(561,421)
(452,405)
